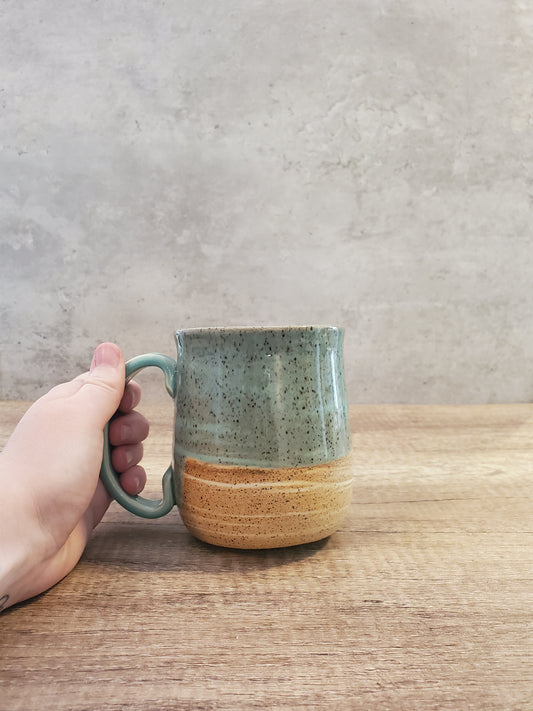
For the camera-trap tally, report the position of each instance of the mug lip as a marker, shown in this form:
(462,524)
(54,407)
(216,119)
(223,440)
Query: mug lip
(259,329)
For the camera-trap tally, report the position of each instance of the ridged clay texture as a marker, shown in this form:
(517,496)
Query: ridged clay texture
(248,507)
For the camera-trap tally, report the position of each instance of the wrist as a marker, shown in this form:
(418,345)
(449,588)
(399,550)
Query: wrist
(15,568)
(20,544)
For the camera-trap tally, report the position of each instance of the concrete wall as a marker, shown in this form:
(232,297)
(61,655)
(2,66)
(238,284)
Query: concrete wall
(357,162)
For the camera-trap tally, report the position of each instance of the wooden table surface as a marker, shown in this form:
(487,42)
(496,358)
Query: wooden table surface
(423,599)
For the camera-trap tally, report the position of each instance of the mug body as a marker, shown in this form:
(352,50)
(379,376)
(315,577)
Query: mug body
(262,440)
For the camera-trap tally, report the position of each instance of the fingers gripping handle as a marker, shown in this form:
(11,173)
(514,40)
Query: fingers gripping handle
(138,504)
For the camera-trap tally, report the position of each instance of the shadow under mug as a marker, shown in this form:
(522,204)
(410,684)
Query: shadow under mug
(261,436)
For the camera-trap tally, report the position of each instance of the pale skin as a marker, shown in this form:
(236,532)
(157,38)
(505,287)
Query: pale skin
(51,494)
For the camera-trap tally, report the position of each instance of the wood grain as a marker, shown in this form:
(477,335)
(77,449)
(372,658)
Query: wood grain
(423,600)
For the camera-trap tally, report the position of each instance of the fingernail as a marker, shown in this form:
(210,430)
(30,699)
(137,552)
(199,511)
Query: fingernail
(105,354)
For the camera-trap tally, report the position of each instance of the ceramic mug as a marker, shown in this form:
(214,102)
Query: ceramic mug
(261,436)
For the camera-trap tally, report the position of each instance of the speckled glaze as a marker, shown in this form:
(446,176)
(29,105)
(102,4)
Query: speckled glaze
(261,397)
(262,446)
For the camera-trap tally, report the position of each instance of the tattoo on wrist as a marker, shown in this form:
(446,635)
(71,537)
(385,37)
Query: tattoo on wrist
(3,601)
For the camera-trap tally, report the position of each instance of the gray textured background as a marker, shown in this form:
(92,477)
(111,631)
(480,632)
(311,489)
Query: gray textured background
(365,163)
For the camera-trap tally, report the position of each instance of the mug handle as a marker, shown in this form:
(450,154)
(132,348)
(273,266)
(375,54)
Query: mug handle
(138,505)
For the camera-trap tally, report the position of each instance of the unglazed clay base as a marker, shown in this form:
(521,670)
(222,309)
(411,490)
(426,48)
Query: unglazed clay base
(248,507)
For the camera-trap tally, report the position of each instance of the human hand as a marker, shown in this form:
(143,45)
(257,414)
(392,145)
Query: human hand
(52,496)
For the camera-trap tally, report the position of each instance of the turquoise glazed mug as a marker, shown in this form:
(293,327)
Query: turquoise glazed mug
(261,452)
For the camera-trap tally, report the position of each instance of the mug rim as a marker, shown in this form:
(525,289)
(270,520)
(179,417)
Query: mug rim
(258,329)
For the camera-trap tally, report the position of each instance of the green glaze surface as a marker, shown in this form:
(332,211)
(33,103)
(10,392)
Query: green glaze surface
(261,397)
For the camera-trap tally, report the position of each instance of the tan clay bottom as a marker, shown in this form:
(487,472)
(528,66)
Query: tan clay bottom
(246,507)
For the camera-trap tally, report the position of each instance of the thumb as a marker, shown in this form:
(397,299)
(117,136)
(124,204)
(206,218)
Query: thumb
(103,387)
